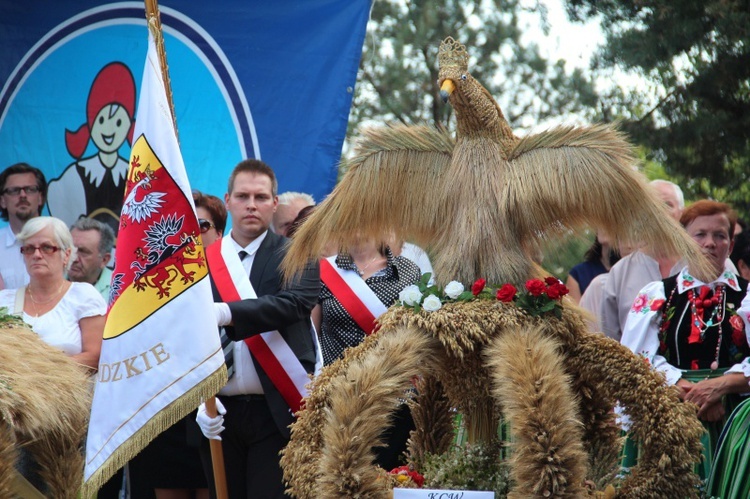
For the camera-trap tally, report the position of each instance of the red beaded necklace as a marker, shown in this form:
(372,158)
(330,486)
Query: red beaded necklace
(698,326)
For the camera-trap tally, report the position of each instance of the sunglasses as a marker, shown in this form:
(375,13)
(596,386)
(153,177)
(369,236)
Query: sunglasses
(45,249)
(205,225)
(15,191)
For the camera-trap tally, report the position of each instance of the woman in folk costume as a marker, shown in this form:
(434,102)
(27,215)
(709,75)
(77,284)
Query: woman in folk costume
(695,332)
(357,287)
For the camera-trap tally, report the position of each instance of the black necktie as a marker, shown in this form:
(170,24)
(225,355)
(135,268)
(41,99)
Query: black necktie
(227,345)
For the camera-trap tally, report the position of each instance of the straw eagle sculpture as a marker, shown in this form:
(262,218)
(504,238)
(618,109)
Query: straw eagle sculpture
(481,205)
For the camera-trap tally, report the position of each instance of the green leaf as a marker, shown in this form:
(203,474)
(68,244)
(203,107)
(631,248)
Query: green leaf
(670,313)
(425,279)
(547,307)
(465,296)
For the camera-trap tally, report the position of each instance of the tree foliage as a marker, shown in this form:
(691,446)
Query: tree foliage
(697,54)
(399,68)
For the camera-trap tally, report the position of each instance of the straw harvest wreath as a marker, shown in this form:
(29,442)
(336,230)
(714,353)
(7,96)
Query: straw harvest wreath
(481,204)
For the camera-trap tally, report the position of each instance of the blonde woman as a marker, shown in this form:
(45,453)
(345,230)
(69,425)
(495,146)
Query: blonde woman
(68,316)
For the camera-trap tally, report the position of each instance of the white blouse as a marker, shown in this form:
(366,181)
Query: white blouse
(641,332)
(60,326)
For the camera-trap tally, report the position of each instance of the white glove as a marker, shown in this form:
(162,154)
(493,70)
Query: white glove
(211,427)
(222,313)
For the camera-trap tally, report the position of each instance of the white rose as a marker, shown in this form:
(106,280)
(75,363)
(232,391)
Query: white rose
(431,303)
(453,289)
(410,295)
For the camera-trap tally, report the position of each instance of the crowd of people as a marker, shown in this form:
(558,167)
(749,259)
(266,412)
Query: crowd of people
(58,278)
(693,332)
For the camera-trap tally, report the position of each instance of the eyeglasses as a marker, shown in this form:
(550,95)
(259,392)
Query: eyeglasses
(15,191)
(46,249)
(205,225)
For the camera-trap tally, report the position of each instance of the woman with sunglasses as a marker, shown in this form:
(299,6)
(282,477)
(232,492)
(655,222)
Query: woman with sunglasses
(66,315)
(212,216)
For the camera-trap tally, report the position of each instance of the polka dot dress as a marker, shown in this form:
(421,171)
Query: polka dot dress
(338,330)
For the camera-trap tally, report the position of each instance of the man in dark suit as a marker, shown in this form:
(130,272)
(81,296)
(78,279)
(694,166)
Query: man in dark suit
(257,413)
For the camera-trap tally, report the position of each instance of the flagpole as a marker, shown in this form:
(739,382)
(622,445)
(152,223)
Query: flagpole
(154,25)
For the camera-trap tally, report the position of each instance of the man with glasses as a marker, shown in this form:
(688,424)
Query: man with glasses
(23,191)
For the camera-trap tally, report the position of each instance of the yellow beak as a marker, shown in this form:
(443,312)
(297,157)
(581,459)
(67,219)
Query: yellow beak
(447,89)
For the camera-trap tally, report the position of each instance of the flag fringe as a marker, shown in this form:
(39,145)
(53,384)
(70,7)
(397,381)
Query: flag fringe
(157,424)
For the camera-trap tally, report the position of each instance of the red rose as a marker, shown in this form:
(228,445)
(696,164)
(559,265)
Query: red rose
(738,330)
(478,286)
(563,289)
(506,293)
(737,323)
(535,287)
(553,292)
(551,281)
(656,304)
(557,290)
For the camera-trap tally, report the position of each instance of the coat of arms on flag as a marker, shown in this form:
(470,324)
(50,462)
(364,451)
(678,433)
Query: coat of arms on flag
(159,232)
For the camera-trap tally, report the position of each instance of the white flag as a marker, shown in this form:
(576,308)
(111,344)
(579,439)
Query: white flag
(161,352)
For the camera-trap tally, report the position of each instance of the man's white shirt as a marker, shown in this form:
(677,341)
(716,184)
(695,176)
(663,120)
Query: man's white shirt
(12,266)
(245,380)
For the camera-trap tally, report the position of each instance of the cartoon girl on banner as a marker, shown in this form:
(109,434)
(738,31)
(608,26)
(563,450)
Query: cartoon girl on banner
(94,186)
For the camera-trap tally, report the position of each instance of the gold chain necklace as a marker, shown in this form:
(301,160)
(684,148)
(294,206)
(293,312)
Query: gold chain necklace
(31,295)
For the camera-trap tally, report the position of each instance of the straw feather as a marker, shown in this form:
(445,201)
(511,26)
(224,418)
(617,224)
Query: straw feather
(8,456)
(528,377)
(323,456)
(362,401)
(480,206)
(45,400)
(668,429)
(388,161)
(433,421)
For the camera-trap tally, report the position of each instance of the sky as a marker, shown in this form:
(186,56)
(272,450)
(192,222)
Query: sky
(576,43)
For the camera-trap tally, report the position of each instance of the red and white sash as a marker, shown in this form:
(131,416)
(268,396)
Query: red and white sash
(353,293)
(270,349)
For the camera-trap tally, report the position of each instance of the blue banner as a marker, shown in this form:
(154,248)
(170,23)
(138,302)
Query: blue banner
(250,79)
